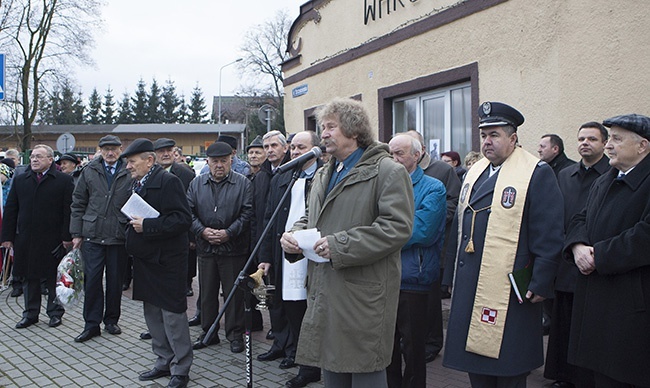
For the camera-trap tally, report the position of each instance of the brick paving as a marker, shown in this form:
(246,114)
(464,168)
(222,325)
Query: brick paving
(40,356)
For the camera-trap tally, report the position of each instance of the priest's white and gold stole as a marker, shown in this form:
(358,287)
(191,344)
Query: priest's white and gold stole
(492,297)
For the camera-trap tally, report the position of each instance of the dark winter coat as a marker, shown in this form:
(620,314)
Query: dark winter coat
(540,243)
(261,181)
(610,331)
(160,251)
(36,219)
(560,163)
(574,182)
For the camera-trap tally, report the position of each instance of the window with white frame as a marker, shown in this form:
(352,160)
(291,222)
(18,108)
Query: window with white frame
(442,116)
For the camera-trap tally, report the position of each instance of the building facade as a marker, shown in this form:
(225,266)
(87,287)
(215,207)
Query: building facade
(427,64)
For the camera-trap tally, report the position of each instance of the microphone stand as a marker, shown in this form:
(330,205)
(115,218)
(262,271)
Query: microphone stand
(247,287)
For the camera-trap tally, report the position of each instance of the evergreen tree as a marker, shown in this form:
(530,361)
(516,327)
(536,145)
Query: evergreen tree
(139,105)
(125,113)
(70,108)
(197,107)
(78,109)
(49,107)
(170,103)
(108,113)
(182,110)
(153,104)
(94,108)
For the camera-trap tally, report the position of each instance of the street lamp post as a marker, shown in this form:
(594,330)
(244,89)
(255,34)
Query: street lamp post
(227,64)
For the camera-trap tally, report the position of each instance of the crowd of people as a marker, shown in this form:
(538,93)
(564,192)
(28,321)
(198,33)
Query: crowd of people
(362,244)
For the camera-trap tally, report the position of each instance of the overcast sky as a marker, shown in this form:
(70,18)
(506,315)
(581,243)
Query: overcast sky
(185,41)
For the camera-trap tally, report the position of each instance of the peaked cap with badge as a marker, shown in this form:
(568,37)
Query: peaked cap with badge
(497,114)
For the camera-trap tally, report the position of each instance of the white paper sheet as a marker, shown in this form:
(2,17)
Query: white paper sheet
(306,240)
(138,207)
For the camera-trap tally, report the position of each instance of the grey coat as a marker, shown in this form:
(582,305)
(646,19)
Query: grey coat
(540,243)
(349,324)
(96,214)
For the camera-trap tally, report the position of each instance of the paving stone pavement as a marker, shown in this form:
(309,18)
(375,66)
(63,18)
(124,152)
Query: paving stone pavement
(40,356)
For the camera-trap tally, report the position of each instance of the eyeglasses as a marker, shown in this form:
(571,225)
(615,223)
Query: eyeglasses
(32,157)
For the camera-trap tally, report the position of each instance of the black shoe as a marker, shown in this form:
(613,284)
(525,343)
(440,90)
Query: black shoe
(301,381)
(562,384)
(54,322)
(195,320)
(189,292)
(26,322)
(237,346)
(112,328)
(430,356)
(145,335)
(16,292)
(287,363)
(178,381)
(88,334)
(271,355)
(270,335)
(153,374)
(44,291)
(126,286)
(200,345)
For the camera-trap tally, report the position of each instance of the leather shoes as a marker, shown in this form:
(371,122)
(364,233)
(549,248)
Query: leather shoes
(189,292)
(153,374)
(178,381)
(195,321)
(200,345)
(430,356)
(112,328)
(270,335)
(54,322)
(88,334)
(287,363)
(125,286)
(237,346)
(26,322)
(301,381)
(271,355)
(562,384)
(16,292)
(145,335)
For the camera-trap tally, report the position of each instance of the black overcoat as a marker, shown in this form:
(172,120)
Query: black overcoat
(36,219)
(540,244)
(160,251)
(610,330)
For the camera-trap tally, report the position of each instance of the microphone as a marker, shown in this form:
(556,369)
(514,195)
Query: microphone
(299,161)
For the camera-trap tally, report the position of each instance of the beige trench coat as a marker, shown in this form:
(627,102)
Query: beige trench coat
(352,301)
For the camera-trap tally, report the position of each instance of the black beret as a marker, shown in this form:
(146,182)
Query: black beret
(219,148)
(231,140)
(137,147)
(257,142)
(638,124)
(163,142)
(8,162)
(110,140)
(70,157)
(497,114)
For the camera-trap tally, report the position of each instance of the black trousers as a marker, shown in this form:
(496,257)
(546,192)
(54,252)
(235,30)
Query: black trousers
(410,332)
(96,259)
(295,311)
(281,330)
(32,295)
(435,335)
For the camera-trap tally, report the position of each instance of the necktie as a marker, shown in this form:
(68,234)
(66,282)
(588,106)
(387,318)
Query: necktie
(39,177)
(109,169)
(109,175)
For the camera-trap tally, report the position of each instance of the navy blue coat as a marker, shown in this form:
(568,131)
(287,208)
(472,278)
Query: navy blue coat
(610,330)
(160,251)
(540,242)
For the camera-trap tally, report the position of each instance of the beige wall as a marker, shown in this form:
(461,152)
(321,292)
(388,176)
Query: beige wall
(561,62)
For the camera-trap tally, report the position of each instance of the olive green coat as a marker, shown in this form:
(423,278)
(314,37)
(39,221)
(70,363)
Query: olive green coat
(352,302)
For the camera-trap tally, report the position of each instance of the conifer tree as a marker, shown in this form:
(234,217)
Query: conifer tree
(108,113)
(197,107)
(139,103)
(94,108)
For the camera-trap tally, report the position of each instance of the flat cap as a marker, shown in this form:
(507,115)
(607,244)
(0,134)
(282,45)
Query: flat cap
(110,140)
(137,147)
(219,148)
(231,140)
(638,124)
(257,142)
(163,142)
(70,157)
(498,114)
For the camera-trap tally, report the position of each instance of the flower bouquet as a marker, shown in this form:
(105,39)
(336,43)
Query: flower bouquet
(70,279)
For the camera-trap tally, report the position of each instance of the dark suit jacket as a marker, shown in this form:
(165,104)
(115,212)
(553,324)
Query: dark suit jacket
(36,219)
(611,306)
(160,251)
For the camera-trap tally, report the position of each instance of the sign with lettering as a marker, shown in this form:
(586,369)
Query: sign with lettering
(376,9)
(299,90)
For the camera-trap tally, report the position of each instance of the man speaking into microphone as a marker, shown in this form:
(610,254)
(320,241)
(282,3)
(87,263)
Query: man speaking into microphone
(361,202)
